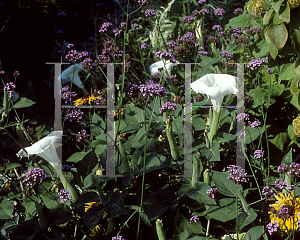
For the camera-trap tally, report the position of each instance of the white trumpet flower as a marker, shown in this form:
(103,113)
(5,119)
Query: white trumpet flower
(45,148)
(215,86)
(166,65)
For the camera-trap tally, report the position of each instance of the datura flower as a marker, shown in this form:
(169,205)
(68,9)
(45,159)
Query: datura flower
(294,3)
(167,65)
(215,86)
(256,7)
(45,148)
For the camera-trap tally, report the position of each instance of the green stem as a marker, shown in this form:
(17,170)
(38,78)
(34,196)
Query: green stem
(214,127)
(243,200)
(171,138)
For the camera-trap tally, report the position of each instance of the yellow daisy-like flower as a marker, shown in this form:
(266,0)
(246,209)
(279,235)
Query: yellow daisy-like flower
(257,7)
(96,231)
(285,211)
(89,205)
(91,98)
(80,101)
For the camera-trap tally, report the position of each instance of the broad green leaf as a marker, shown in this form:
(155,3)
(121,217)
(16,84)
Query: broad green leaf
(88,164)
(86,197)
(153,162)
(181,236)
(223,184)
(211,154)
(23,103)
(254,233)
(225,212)
(277,4)
(50,199)
(262,49)
(198,123)
(294,85)
(177,125)
(278,35)
(288,158)
(97,126)
(295,101)
(276,19)
(192,228)
(199,193)
(76,157)
(134,114)
(11,165)
(273,50)
(285,12)
(6,209)
(244,219)
(280,140)
(244,20)
(288,73)
(115,205)
(130,128)
(268,16)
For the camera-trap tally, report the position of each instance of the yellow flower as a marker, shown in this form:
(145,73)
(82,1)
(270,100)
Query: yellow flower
(91,98)
(296,125)
(96,231)
(80,101)
(285,211)
(294,3)
(256,7)
(89,205)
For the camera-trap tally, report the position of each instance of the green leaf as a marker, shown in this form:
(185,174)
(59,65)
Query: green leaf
(262,49)
(76,157)
(273,50)
(177,125)
(223,184)
(292,135)
(90,180)
(268,16)
(49,200)
(181,236)
(23,103)
(294,85)
(199,193)
(278,35)
(98,125)
(285,12)
(134,114)
(153,162)
(11,165)
(211,154)
(42,220)
(244,219)
(130,128)
(254,233)
(192,228)
(88,164)
(288,72)
(115,204)
(225,212)
(277,4)
(280,140)
(58,216)
(244,20)
(6,209)
(276,19)
(198,123)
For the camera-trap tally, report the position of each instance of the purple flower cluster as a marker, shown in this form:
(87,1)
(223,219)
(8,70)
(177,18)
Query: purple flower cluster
(212,39)
(87,64)
(118,238)
(256,63)
(194,219)
(268,192)
(167,106)
(204,10)
(132,90)
(253,30)
(282,169)
(188,19)
(166,55)
(64,195)
(82,135)
(122,25)
(150,13)
(109,53)
(142,3)
(195,13)
(272,227)
(254,124)
(116,32)
(217,27)
(238,11)
(258,154)
(34,175)
(66,94)
(144,45)
(16,74)
(2,72)
(226,54)
(202,1)
(202,53)
(237,29)
(269,70)
(174,79)
(211,192)
(280,185)
(294,169)
(104,27)
(134,25)
(242,133)
(237,174)
(152,89)
(242,116)
(70,45)
(75,115)
(9,87)
(66,167)
(220,34)
(219,12)
(74,55)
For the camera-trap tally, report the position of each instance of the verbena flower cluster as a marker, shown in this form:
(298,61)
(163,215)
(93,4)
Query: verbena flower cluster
(9,87)
(66,167)
(150,13)
(142,3)
(237,174)
(152,89)
(219,12)
(202,1)
(254,124)
(226,54)
(104,27)
(253,30)
(256,63)
(238,11)
(118,238)
(294,169)
(269,70)
(144,45)
(194,219)
(272,227)
(283,168)
(134,25)
(74,115)
(204,10)
(217,27)
(280,184)
(67,95)
(34,175)
(211,192)
(74,55)
(16,74)
(268,192)
(242,116)
(168,106)
(82,136)
(188,19)
(258,154)
(64,195)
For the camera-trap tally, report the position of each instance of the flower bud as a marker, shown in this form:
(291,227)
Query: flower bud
(160,230)
(296,125)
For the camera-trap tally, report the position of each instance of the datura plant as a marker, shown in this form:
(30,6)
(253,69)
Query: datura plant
(45,148)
